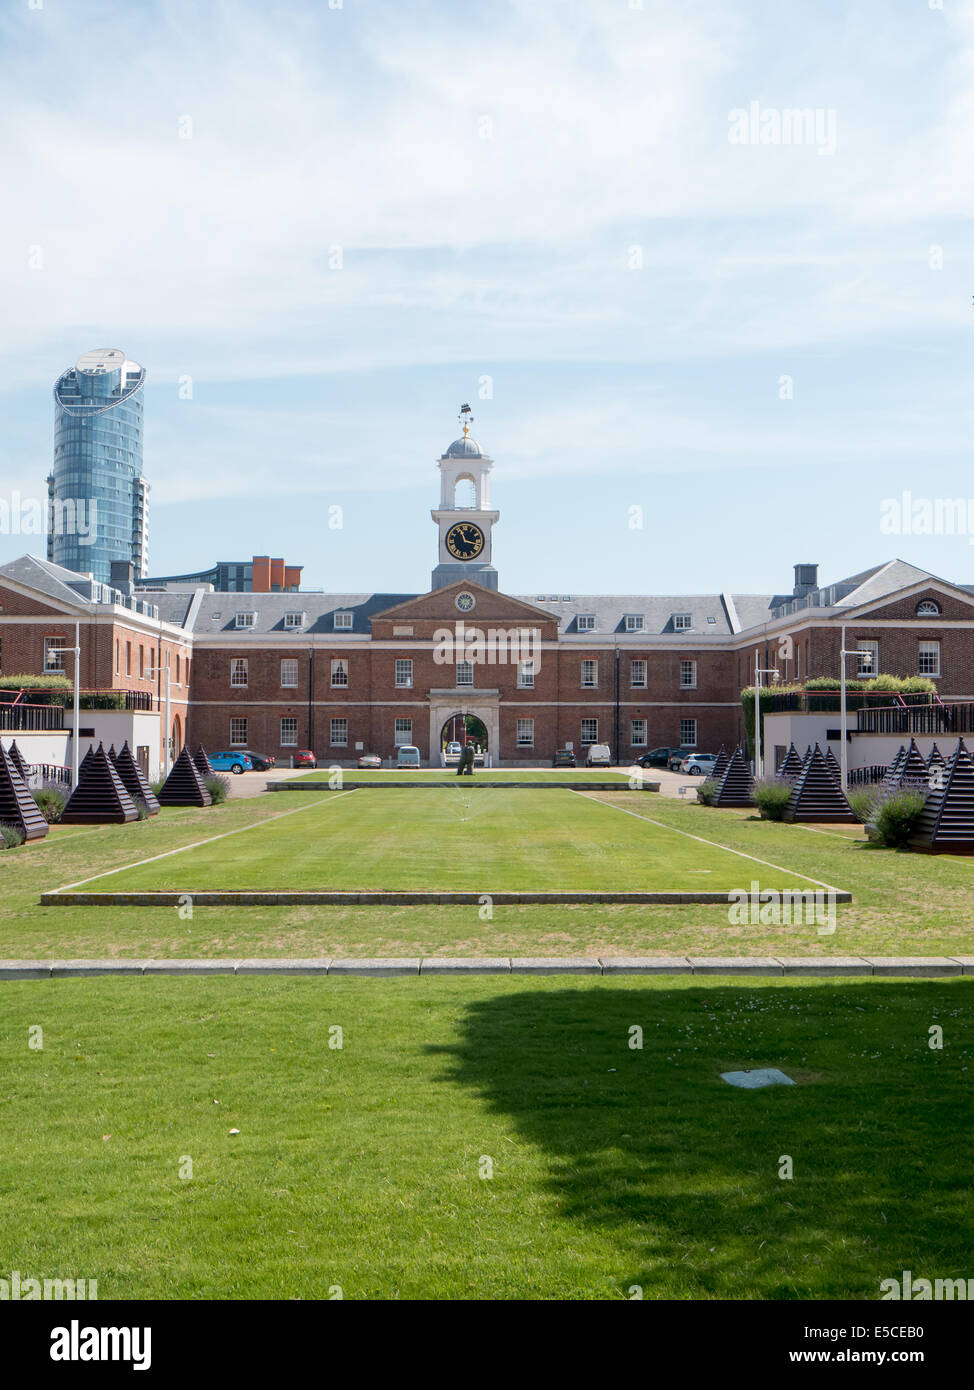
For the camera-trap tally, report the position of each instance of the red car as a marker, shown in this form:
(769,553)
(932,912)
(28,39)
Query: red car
(305,758)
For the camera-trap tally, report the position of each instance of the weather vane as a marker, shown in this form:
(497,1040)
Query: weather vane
(466,419)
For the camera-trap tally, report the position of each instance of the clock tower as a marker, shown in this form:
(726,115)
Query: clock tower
(464,517)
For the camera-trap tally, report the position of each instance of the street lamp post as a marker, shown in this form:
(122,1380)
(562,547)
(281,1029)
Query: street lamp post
(843,714)
(759,671)
(74,651)
(164,670)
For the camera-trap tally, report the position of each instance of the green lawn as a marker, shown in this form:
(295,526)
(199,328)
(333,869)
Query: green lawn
(902,903)
(612,1167)
(453,838)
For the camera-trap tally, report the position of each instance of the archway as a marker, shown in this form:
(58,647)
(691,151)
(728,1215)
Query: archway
(176,744)
(464,728)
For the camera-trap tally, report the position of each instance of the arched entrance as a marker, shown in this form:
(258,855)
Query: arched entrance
(465,728)
(176,743)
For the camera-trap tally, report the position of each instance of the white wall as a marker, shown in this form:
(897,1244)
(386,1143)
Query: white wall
(865,750)
(110,726)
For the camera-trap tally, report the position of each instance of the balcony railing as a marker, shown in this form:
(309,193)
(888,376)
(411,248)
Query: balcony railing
(917,719)
(829,701)
(144,701)
(25,718)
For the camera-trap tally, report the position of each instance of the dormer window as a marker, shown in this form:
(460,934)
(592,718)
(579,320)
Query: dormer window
(682,622)
(343,621)
(634,622)
(928,609)
(585,622)
(246,619)
(293,620)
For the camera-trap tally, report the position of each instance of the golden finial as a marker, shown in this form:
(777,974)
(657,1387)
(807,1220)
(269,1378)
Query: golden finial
(465,418)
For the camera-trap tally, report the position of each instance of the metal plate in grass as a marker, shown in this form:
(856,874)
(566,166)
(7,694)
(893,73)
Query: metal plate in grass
(754,1080)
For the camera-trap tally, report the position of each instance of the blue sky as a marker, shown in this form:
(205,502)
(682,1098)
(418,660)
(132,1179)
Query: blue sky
(539,210)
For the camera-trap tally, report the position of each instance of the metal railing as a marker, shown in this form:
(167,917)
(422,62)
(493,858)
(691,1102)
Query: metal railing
(917,719)
(24,718)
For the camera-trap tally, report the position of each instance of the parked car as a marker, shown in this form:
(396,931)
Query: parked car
(699,764)
(233,761)
(407,756)
(598,755)
(369,760)
(563,757)
(305,758)
(677,758)
(451,754)
(262,762)
(659,757)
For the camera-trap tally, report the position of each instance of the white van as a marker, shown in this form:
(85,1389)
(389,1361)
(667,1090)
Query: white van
(598,755)
(407,756)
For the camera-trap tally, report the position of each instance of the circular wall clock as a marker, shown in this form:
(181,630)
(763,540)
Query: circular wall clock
(465,540)
(465,602)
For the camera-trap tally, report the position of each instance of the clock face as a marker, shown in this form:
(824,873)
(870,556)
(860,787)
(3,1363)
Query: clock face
(465,541)
(465,602)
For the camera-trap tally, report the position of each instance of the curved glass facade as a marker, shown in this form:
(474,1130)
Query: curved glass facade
(97,496)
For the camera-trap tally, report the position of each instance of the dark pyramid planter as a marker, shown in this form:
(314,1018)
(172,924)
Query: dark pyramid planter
(720,766)
(832,763)
(891,780)
(100,797)
(936,759)
(736,785)
(817,796)
(946,823)
(203,765)
(17,806)
(19,761)
(133,780)
(912,771)
(792,765)
(184,786)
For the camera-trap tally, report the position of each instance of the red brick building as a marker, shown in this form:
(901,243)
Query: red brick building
(349,673)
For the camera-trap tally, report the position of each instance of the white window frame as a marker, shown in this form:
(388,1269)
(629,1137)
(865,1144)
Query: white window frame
(292,726)
(54,655)
(339,668)
(688,678)
(338,732)
(402,732)
(592,683)
(293,620)
(870,648)
(404,676)
(594,723)
(525,733)
(640,665)
(688,739)
(525,675)
(585,622)
(682,622)
(343,621)
(238,720)
(932,651)
(927,608)
(634,622)
(291,663)
(239,665)
(465,668)
(245,620)
(638,733)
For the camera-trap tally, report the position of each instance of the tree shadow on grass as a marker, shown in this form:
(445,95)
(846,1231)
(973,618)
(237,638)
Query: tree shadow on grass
(682,1171)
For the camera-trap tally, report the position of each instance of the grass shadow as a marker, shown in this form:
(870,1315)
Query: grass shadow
(682,1172)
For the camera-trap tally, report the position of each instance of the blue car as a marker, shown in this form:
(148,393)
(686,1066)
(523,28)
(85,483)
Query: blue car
(231,762)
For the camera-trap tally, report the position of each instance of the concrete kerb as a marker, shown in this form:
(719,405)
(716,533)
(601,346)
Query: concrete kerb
(60,897)
(890,967)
